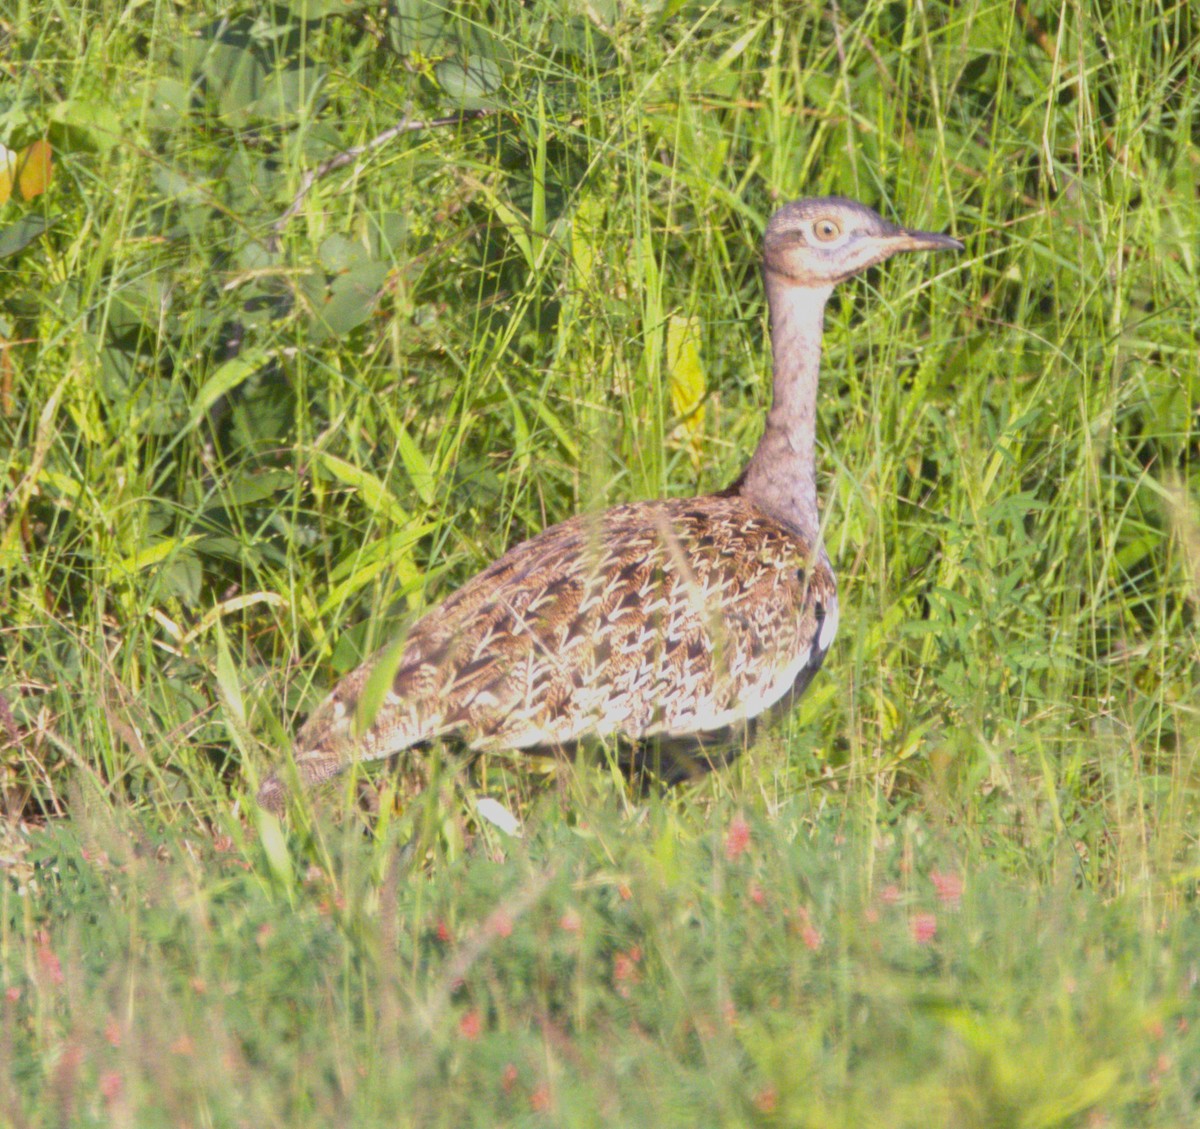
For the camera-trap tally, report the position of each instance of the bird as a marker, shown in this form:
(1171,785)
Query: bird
(673,624)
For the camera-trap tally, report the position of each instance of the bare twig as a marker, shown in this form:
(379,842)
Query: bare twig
(340,160)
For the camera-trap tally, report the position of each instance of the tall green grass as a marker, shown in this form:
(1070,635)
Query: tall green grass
(238,451)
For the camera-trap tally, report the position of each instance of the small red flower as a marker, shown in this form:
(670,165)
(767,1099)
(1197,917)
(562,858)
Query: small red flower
(570,922)
(471,1025)
(625,971)
(809,933)
(540,1098)
(443,931)
(923,927)
(737,838)
(949,887)
(49,964)
(766,1100)
(890,894)
(509,1078)
(757,894)
(500,923)
(110,1085)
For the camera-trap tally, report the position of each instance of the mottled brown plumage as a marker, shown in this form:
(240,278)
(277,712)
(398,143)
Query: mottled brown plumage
(669,621)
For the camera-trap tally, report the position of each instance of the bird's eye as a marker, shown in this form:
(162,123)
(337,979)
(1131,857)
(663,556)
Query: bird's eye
(827,230)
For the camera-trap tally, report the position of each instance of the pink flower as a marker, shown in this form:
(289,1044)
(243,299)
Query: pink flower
(570,922)
(923,927)
(625,970)
(809,933)
(737,838)
(766,1099)
(500,923)
(471,1025)
(110,1085)
(50,964)
(949,887)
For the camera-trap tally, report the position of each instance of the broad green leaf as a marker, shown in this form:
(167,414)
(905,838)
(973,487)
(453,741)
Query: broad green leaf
(152,554)
(470,83)
(227,377)
(17,236)
(352,299)
(87,124)
(319,9)
(168,104)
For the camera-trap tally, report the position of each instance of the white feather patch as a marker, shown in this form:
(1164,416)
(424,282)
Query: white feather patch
(829,626)
(496,813)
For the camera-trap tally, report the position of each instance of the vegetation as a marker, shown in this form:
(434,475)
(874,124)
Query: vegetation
(258,405)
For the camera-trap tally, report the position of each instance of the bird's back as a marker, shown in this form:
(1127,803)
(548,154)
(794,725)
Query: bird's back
(667,619)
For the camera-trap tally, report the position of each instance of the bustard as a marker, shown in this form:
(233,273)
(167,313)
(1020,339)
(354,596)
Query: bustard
(672,622)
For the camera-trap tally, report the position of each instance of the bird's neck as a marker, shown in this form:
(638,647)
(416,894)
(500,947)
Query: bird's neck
(781,475)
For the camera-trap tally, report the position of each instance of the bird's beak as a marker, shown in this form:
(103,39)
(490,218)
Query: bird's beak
(905,240)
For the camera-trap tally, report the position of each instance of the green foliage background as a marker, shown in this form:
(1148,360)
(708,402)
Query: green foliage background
(251,419)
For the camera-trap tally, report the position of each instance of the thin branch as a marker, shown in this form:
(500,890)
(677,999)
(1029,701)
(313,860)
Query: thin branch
(340,160)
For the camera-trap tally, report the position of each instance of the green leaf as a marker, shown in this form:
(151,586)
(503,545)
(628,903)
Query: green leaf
(168,104)
(420,473)
(352,299)
(228,686)
(319,9)
(377,685)
(471,83)
(86,124)
(274,845)
(227,377)
(374,494)
(17,236)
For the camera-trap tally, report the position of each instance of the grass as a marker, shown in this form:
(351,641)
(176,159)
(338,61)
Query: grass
(955,887)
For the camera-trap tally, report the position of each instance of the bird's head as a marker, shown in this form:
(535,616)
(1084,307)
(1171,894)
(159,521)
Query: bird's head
(827,239)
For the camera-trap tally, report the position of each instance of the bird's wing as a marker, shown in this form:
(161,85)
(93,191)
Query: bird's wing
(659,618)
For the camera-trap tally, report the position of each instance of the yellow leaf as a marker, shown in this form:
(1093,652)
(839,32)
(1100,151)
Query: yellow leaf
(33,170)
(8,173)
(687,384)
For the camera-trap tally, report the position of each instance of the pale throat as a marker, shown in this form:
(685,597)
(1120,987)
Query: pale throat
(781,475)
